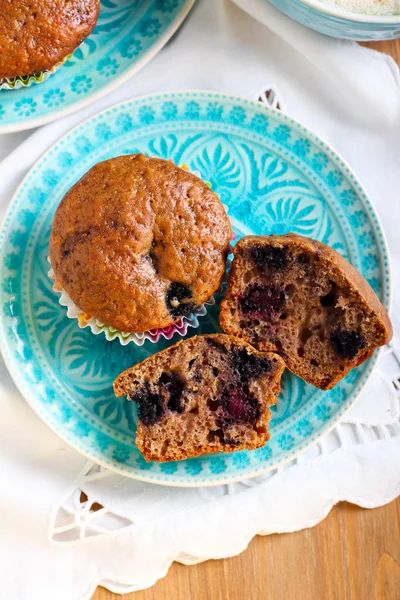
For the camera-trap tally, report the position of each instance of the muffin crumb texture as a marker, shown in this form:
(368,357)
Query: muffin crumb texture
(204,394)
(300,298)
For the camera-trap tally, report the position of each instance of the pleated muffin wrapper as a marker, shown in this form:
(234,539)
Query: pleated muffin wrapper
(179,327)
(97,327)
(25,81)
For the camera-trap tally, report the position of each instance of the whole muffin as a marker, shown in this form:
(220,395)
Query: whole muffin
(138,242)
(37,35)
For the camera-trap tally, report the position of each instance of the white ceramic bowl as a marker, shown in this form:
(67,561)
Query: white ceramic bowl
(340,23)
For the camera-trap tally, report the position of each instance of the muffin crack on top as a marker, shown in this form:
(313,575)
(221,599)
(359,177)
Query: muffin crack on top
(37,35)
(138,243)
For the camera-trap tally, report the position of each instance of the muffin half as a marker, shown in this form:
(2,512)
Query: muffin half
(205,394)
(298,297)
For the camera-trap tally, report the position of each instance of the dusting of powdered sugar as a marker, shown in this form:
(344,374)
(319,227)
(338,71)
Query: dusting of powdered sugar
(367,7)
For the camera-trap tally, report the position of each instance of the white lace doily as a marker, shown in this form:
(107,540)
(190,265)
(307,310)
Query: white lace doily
(332,470)
(67,525)
(351,463)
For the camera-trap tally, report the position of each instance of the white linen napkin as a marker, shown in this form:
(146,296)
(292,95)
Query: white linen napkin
(338,67)
(51,544)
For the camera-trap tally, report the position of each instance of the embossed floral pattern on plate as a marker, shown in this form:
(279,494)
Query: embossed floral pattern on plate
(127,35)
(273,174)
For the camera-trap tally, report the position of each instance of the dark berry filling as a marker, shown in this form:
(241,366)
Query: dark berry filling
(174,386)
(216,345)
(304,259)
(248,366)
(331,297)
(232,442)
(197,377)
(238,405)
(164,378)
(269,257)
(216,434)
(328,300)
(150,406)
(176,300)
(262,301)
(347,343)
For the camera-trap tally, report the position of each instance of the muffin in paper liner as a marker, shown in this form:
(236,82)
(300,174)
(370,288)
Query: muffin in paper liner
(179,327)
(25,81)
(84,320)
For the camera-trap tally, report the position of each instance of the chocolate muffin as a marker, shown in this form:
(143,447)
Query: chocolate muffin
(37,35)
(300,298)
(138,242)
(205,394)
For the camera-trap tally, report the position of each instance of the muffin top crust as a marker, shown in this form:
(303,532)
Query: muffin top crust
(35,35)
(138,242)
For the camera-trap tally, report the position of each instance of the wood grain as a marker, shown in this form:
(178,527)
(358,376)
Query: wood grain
(354,554)
(391,47)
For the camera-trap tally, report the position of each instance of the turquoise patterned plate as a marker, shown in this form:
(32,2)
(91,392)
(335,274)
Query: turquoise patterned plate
(128,34)
(274,175)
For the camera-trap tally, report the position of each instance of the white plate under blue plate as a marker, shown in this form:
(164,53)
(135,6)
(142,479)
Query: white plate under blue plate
(274,175)
(128,34)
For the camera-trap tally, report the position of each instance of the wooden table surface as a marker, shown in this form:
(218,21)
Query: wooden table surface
(354,554)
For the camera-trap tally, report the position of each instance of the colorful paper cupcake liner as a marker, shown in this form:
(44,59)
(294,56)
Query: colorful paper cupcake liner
(97,327)
(179,327)
(24,81)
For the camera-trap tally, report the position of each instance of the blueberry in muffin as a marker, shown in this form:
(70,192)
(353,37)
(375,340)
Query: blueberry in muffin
(137,243)
(300,298)
(205,394)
